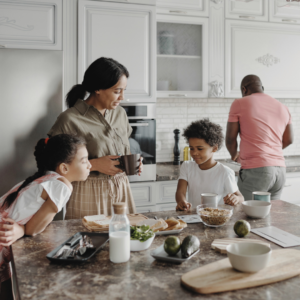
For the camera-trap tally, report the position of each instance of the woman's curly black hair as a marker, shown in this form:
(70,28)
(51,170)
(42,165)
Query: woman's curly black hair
(206,130)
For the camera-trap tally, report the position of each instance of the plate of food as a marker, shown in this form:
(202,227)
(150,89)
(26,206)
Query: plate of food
(164,227)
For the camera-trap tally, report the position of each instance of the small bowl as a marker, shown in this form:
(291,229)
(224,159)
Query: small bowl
(256,208)
(136,245)
(248,257)
(209,214)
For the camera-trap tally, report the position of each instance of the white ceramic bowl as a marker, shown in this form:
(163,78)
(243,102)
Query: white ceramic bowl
(248,257)
(256,208)
(136,245)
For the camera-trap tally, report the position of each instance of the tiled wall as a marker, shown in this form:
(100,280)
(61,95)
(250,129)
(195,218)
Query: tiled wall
(178,113)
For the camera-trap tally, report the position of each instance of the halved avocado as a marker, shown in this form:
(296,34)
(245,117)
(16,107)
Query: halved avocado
(189,245)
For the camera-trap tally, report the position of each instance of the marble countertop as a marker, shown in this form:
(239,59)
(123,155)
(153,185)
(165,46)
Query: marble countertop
(167,171)
(142,277)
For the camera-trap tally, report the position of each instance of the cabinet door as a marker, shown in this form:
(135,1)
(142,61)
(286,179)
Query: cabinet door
(256,10)
(146,2)
(143,193)
(166,190)
(291,190)
(167,206)
(145,209)
(182,57)
(268,50)
(34,24)
(183,7)
(124,32)
(285,12)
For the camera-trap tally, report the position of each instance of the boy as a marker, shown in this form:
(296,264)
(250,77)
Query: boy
(204,174)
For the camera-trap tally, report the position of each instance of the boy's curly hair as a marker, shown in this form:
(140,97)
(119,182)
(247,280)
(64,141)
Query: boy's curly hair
(206,130)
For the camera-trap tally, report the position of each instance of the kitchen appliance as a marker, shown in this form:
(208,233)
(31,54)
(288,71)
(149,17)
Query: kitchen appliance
(143,137)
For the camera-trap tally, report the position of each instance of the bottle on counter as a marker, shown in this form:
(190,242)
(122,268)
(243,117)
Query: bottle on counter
(119,235)
(186,153)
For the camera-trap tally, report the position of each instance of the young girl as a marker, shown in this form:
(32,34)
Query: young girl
(32,204)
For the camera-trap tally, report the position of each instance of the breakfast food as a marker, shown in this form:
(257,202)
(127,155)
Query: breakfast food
(172,245)
(189,245)
(242,228)
(159,225)
(215,216)
(98,223)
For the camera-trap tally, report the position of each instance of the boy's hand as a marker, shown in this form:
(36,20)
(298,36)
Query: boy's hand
(231,199)
(10,231)
(183,205)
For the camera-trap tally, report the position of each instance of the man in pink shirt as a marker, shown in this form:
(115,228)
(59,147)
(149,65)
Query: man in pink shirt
(265,128)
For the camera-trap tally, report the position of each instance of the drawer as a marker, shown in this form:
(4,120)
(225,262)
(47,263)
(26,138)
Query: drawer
(166,192)
(142,194)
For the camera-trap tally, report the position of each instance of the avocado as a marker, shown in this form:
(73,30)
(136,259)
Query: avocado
(189,245)
(172,245)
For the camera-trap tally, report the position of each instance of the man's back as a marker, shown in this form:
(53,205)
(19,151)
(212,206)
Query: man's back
(263,121)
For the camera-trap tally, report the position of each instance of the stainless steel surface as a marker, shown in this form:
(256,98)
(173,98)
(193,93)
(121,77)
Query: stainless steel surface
(151,110)
(148,174)
(139,124)
(31,100)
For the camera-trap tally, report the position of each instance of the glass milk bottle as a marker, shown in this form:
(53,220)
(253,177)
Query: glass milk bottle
(119,235)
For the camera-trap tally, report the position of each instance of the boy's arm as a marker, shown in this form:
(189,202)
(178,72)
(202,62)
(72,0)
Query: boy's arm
(234,198)
(180,196)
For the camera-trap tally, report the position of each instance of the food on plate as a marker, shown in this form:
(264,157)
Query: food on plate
(214,216)
(159,225)
(172,245)
(173,224)
(96,223)
(141,233)
(189,245)
(166,225)
(242,228)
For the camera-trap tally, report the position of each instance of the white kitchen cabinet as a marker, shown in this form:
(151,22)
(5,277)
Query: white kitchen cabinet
(182,57)
(291,190)
(282,11)
(268,50)
(146,2)
(143,193)
(183,7)
(166,191)
(34,24)
(124,32)
(255,10)
(167,206)
(145,209)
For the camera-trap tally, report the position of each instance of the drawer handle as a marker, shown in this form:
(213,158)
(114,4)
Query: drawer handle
(2,46)
(177,95)
(287,185)
(247,17)
(289,20)
(139,124)
(177,11)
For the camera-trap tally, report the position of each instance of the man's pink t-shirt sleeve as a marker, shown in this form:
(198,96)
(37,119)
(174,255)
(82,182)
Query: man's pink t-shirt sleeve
(290,117)
(234,113)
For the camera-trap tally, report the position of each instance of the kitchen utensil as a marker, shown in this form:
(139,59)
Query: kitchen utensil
(168,232)
(221,244)
(209,198)
(256,208)
(136,245)
(214,216)
(262,196)
(248,257)
(219,276)
(130,163)
(160,254)
(98,241)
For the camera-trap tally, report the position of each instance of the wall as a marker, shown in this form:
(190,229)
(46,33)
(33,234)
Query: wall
(178,113)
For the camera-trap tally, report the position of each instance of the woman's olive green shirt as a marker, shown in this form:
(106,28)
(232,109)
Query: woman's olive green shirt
(104,135)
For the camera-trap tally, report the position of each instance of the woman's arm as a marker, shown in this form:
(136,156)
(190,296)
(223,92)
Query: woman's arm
(106,165)
(234,198)
(10,231)
(182,204)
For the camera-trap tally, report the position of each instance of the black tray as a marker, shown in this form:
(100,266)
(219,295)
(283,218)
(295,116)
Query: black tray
(98,239)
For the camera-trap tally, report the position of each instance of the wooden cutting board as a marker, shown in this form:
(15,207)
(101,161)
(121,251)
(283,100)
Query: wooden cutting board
(220,276)
(221,244)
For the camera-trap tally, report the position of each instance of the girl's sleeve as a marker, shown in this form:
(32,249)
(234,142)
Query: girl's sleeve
(58,192)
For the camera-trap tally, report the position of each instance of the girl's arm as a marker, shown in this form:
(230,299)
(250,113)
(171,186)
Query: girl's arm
(234,198)
(10,231)
(182,204)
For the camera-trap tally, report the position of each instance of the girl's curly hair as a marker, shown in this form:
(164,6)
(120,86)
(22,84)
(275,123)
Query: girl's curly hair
(206,130)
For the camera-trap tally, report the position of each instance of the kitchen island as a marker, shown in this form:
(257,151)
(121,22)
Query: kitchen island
(142,277)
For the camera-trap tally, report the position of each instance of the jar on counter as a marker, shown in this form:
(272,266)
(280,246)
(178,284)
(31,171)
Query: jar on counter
(186,153)
(119,235)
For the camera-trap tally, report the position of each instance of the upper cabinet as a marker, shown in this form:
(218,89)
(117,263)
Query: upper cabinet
(283,11)
(34,24)
(254,10)
(182,56)
(268,50)
(183,7)
(126,33)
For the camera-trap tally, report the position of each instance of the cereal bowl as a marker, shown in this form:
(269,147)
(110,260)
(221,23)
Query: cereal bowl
(256,208)
(214,216)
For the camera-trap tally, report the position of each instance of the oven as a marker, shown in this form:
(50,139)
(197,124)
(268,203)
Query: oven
(143,137)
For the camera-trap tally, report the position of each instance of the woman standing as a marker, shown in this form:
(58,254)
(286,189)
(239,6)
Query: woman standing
(104,125)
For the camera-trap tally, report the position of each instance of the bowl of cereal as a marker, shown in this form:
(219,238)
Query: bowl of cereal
(215,216)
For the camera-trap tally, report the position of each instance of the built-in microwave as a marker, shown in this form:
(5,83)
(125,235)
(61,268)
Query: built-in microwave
(141,118)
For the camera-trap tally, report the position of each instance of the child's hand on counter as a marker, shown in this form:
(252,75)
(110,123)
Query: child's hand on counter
(231,199)
(183,205)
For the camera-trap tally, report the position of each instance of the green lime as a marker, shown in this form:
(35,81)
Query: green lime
(242,228)
(172,245)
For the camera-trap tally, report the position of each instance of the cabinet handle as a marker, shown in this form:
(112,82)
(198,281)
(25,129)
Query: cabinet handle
(287,185)
(177,95)
(177,11)
(247,17)
(289,20)
(2,46)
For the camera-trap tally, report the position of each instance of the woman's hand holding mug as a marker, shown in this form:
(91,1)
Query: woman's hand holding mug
(106,165)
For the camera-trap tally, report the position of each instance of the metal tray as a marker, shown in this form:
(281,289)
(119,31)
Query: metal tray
(167,232)
(99,240)
(160,254)
(190,219)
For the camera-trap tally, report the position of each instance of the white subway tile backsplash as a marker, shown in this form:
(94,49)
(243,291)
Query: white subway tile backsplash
(179,113)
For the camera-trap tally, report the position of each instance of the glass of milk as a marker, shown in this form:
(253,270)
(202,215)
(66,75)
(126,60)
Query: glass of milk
(119,235)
